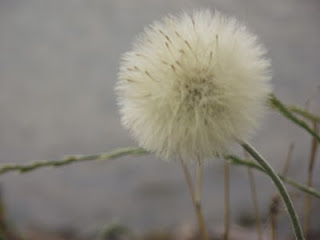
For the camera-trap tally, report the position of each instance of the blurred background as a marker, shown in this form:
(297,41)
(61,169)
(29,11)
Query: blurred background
(58,67)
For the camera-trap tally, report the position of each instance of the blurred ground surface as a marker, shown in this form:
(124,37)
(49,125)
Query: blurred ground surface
(58,66)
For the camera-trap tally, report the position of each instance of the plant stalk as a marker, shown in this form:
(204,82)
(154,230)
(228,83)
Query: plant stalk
(255,202)
(226,199)
(313,154)
(280,186)
(195,199)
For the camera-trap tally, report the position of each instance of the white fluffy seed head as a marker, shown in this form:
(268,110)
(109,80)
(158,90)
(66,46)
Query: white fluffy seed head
(192,84)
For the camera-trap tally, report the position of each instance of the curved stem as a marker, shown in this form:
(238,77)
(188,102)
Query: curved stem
(254,197)
(280,186)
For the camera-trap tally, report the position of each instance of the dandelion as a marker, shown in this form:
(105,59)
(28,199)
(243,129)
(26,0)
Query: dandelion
(192,84)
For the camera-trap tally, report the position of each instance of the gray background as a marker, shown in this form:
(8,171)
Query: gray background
(58,66)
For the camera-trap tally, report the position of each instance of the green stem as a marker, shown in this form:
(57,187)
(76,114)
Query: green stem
(6,168)
(71,159)
(277,104)
(280,186)
(238,161)
(307,115)
(234,160)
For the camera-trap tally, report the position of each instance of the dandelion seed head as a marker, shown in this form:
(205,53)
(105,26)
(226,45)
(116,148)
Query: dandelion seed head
(192,84)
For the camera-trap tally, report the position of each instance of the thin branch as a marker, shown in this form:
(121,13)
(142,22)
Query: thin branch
(277,104)
(310,190)
(238,161)
(245,162)
(5,168)
(307,115)
(135,151)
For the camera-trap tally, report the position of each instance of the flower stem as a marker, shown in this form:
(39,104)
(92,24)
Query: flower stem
(226,200)
(199,181)
(303,113)
(280,186)
(277,104)
(234,160)
(254,197)
(195,197)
